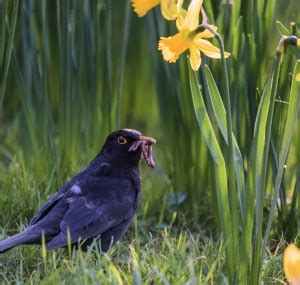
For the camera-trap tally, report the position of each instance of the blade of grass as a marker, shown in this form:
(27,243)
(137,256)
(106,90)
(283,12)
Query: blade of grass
(267,16)
(109,103)
(3,13)
(11,37)
(128,14)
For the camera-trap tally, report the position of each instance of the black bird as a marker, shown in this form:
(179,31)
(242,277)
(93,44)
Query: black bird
(98,202)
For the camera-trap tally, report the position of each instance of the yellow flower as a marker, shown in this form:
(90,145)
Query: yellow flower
(298,77)
(291,264)
(168,7)
(187,38)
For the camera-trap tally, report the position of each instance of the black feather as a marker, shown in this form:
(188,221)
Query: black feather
(98,202)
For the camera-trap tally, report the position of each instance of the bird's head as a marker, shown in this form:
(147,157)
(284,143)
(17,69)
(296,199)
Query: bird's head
(126,146)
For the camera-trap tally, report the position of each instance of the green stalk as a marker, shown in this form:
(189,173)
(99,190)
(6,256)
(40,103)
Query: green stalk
(260,192)
(122,61)
(9,52)
(3,35)
(254,179)
(259,250)
(219,111)
(233,197)
(288,132)
(220,171)
(109,98)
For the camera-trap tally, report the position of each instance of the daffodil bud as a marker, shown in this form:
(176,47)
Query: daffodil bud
(291,264)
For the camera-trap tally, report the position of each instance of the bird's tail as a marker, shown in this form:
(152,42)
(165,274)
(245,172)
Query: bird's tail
(21,238)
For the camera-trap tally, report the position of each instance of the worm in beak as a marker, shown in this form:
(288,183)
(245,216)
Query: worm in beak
(146,145)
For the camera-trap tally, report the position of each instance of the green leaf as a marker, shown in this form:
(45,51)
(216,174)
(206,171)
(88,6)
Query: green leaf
(291,120)
(220,168)
(282,29)
(7,57)
(254,180)
(3,12)
(263,126)
(220,114)
(268,16)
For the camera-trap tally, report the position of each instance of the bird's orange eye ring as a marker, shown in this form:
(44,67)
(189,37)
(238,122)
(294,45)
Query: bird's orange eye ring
(122,140)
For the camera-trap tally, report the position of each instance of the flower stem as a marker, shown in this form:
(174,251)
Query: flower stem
(233,197)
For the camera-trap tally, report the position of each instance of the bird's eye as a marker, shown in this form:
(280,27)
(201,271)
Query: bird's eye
(122,140)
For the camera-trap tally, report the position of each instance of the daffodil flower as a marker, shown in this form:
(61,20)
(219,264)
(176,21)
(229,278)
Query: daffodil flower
(291,264)
(168,7)
(189,38)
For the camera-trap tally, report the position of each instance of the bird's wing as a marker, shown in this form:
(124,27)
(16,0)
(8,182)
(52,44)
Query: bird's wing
(100,170)
(95,206)
(49,205)
(46,208)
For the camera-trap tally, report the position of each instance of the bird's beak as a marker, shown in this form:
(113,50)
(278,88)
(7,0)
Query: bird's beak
(149,140)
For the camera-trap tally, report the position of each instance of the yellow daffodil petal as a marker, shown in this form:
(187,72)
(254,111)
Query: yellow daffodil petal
(172,47)
(291,264)
(192,16)
(298,77)
(208,48)
(179,6)
(180,19)
(141,7)
(169,9)
(195,58)
(206,33)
